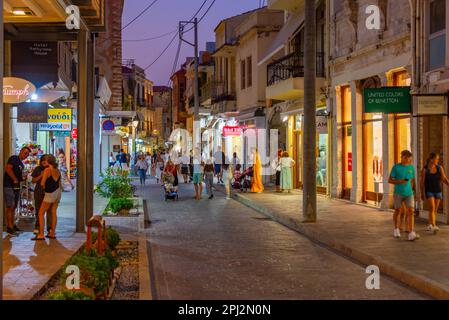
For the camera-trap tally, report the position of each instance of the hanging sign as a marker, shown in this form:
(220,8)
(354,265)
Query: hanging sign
(32,112)
(60,116)
(431,105)
(232,131)
(387,100)
(321,124)
(17,90)
(74,133)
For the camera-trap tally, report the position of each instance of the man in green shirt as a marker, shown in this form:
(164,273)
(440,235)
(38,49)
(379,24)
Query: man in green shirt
(402,176)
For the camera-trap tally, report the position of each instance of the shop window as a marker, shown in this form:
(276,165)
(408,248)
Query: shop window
(242,74)
(250,71)
(437,34)
(322,144)
(347,141)
(373,155)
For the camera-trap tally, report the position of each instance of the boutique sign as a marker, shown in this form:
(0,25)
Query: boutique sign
(58,120)
(17,90)
(387,100)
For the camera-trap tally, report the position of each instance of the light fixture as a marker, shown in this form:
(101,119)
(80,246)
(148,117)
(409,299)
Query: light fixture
(135,123)
(34,96)
(19,12)
(22,11)
(285,119)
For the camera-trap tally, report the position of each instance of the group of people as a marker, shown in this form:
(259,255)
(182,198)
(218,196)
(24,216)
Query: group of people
(47,193)
(402,176)
(283,165)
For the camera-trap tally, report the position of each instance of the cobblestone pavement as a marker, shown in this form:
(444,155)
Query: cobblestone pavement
(221,249)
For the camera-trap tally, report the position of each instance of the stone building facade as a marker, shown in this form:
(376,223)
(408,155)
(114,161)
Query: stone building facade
(109,51)
(365,146)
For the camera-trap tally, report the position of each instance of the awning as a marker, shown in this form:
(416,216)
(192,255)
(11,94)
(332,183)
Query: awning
(125,114)
(292,24)
(104,93)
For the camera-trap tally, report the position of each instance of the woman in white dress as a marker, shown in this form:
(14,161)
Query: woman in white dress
(287,164)
(159,167)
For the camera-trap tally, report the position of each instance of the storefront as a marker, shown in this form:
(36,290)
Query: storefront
(295,149)
(385,131)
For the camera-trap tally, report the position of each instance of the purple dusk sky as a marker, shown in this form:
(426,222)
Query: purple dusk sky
(163,17)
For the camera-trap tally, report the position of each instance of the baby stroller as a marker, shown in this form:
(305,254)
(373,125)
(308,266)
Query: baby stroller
(171,192)
(242,181)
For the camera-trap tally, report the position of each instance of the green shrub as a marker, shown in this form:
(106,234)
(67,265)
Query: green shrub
(95,270)
(115,185)
(69,295)
(117,204)
(112,237)
(113,261)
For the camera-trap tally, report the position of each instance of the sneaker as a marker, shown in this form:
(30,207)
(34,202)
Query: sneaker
(436,229)
(430,228)
(396,233)
(412,236)
(228,198)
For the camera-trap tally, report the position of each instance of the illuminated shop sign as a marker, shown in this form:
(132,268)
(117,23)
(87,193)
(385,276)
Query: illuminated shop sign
(17,90)
(387,100)
(232,131)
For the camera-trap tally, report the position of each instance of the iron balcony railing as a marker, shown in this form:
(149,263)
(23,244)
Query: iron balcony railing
(292,66)
(220,92)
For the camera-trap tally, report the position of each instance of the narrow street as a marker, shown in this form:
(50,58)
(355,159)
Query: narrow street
(220,249)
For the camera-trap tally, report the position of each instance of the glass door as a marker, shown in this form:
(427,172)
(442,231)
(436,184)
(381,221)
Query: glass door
(372,157)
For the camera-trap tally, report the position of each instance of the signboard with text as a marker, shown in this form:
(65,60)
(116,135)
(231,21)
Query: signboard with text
(232,131)
(55,127)
(17,90)
(32,112)
(321,124)
(431,105)
(387,100)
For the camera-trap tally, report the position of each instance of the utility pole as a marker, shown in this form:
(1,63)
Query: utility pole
(309,137)
(196,116)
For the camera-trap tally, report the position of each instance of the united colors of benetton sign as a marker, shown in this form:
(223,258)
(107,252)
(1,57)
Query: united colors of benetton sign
(387,100)
(17,90)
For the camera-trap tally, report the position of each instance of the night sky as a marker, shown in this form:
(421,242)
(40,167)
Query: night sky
(163,17)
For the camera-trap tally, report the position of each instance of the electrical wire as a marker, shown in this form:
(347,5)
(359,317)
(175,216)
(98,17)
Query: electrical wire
(173,39)
(140,14)
(175,64)
(152,38)
(162,53)
(204,15)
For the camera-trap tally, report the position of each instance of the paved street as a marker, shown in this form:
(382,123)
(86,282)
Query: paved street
(219,249)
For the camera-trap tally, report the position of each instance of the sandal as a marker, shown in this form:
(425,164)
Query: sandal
(50,237)
(37,239)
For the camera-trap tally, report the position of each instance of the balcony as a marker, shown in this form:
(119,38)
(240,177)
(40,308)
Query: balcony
(290,5)
(285,77)
(220,92)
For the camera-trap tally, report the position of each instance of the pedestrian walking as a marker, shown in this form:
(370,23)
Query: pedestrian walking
(148,159)
(402,176)
(39,191)
(142,167)
(198,171)
(432,177)
(256,182)
(227,178)
(111,160)
(63,169)
(51,182)
(159,167)
(11,187)
(170,167)
(185,168)
(209,178)
(276,167)
(219,160)
(286,177)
